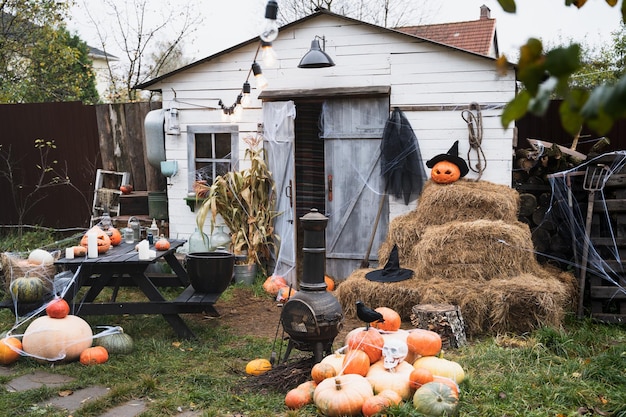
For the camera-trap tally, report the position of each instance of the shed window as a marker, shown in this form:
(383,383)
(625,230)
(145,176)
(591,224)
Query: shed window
(212,151)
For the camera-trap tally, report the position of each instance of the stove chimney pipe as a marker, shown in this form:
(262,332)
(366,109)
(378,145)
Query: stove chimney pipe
(314,251)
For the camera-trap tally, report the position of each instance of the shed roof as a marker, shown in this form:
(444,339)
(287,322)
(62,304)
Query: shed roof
(318,13)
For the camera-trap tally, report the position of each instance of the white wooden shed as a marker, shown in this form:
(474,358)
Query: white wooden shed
(328,124)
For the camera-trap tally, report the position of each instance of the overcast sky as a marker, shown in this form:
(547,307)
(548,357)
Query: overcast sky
(227,23)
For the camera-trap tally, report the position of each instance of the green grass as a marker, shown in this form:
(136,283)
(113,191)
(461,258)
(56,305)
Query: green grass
(548,372)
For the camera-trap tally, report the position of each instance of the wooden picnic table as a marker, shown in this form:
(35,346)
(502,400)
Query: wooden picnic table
(121,267)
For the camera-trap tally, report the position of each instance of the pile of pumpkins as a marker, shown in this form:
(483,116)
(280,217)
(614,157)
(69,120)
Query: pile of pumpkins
(277,286)
(356,382)
(60,337)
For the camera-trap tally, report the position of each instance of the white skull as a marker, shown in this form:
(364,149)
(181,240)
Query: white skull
(394,352)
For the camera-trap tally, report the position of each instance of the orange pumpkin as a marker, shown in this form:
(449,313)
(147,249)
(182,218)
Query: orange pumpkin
(424,342)
(104,242)
(419,377)
(285,293)
(116,236)
(9,350)
(162,244)
(375,405)
(391,319)
(342,395)
(445,172)
(273,284)
(370,341)
(330,283)
(321,371)
(94,355)
(79,251)
(58,308)
(300,396)
(356,362)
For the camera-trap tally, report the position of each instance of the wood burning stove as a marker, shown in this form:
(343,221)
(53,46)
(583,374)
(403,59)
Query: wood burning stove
(313,317)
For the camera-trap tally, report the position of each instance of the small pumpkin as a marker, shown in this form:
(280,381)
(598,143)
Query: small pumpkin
(258,367)
(368,340)
(357,362)
(162,244)
(330,283)
(424,342)
(391,320)
(300,396)
(115,236)
(58,308)
(40,257)
(419,377)
(284,294)
(375,405)
(435,399)
(342,395)
(320,371)
(94,356)
(335,360)
(116,343)
(27,289)
(441,367)
(9,350)
(103,240)
(273,284)
(445,172)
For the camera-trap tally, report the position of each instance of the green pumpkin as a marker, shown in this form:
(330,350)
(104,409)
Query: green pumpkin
(435,399)
(116,343)
(27,289)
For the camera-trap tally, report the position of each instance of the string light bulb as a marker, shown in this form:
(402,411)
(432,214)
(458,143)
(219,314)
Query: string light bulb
(268,55)
(245,96)
(269,32)
(261,81)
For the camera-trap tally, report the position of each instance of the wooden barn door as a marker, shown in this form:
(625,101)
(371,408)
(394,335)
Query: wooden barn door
(352,131)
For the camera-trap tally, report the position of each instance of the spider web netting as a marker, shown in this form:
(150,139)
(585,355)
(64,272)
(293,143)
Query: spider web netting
(30,303)
(589,204)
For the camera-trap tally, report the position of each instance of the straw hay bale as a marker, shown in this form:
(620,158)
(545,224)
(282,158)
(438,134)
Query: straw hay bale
(479,249)
(466,200)
(15,265)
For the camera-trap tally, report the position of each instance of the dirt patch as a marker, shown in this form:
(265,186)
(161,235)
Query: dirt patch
(260,315)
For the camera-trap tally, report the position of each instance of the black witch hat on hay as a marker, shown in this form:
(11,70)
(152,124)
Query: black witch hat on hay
(451,156)
(392,271)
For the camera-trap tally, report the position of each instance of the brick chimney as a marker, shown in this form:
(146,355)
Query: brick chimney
(485,12)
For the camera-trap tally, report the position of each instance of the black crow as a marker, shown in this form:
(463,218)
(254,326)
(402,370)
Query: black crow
(366,314)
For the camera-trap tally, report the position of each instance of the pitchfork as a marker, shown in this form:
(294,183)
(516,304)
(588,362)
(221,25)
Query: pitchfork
(595,178)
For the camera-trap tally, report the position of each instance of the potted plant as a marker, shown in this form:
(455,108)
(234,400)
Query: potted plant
(245,200)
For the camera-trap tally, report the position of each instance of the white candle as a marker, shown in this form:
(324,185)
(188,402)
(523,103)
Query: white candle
(92,245)
(144,250)
(69,253)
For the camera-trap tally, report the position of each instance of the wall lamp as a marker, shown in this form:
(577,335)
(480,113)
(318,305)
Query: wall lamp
(316,57)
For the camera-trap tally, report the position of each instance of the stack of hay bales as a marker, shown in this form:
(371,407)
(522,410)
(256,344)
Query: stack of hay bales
(466,247)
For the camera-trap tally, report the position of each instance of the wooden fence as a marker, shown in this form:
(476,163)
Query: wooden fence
(86,138)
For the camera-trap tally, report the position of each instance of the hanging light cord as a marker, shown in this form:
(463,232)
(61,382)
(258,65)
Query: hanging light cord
(474,119)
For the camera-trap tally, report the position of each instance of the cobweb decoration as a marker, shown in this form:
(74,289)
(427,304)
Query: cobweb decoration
(589,200)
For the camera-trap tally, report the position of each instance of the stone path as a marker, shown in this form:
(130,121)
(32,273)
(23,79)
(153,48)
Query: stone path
(73,400)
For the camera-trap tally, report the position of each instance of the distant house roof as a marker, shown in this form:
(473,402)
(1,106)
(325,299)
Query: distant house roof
(477,36)
(96,53)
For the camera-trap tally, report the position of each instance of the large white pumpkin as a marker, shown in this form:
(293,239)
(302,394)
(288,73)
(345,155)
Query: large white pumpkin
(52,340)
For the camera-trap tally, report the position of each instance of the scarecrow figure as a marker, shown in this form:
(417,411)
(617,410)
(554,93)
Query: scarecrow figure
(448,167)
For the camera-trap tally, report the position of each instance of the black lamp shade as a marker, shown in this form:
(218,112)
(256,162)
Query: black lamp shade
(316,58)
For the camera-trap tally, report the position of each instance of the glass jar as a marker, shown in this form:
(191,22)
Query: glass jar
(199,242)
(220,238)
(135,225)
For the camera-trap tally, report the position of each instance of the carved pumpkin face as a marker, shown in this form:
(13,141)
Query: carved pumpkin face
(445,172)
(104,242)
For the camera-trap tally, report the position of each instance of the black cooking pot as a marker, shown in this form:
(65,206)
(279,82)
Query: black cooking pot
(210,272)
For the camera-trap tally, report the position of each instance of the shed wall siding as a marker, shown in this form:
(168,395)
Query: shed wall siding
(422,76)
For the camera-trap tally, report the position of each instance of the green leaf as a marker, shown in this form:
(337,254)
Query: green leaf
(615,105)
(571,120)
(531,66)
(508,5)
(596,102)
(562,62)
(515,109)
(540,103)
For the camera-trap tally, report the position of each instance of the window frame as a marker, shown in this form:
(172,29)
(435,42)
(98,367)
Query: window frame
(193,130)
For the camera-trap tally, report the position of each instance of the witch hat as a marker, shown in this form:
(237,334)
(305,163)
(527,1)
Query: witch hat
(451,156)
(392,271)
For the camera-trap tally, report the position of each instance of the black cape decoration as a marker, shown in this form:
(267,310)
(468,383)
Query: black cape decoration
(401,162)
(451,156)
(392,271)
